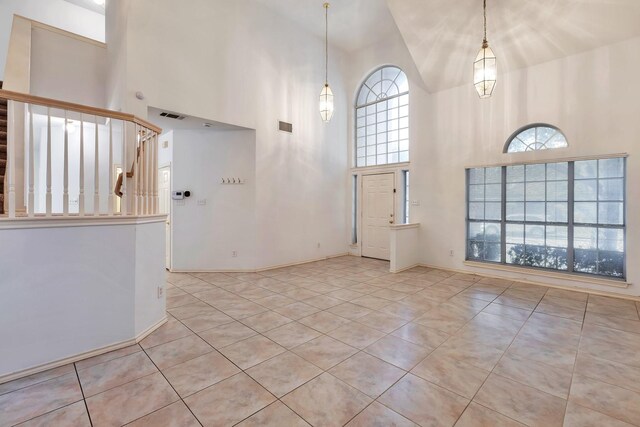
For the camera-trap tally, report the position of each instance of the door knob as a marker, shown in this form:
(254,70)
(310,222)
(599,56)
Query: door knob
(390,221)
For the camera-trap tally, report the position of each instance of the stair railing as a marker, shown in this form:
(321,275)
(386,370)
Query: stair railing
(64,159)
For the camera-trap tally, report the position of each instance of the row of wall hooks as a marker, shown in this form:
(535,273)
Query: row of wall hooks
(232,181)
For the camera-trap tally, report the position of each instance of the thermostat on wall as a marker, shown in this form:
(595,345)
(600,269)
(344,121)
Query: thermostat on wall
(180,195)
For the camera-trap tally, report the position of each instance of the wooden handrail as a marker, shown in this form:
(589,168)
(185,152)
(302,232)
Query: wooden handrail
(79,108)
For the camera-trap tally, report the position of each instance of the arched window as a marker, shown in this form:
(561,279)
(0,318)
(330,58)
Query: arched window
(382,118)
(535,137)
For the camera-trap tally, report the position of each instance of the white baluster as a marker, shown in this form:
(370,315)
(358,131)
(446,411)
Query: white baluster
(65,190)
(48,194)
(31,200)
(136,171)
(111,182)
(125,169)
(81,197)
(11,157)
(96,170)
(147,168)
(155,175)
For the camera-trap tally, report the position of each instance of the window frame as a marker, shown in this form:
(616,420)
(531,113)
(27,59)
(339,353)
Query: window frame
(515,134)
(365,106)
(570,223)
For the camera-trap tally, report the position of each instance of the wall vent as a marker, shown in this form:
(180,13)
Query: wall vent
(172,116)
(285,127)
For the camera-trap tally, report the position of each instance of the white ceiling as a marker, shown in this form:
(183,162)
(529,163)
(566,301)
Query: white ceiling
(353,24)
(89,4)
(444,36)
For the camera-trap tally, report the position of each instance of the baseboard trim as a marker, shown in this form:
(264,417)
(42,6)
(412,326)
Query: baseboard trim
(405,268)
(538,283)
(271,267)
(76,358)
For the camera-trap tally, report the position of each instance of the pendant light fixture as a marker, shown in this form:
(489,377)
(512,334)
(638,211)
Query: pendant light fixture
(326,95)
(485,68)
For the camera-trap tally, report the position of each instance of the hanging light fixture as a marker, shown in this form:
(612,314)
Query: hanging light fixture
(485,68)
(326,95)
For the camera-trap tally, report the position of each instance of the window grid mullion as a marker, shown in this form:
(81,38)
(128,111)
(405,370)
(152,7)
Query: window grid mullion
(570,208)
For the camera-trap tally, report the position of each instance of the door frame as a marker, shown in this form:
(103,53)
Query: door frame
(361,199)
(170,248)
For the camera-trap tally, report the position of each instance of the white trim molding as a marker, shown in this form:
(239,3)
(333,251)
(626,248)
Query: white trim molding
(77,221)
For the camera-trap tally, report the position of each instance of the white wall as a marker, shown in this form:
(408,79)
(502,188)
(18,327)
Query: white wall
(246,65)
(57,13)
(67,68)
(70,290)
(593,97)
(204,237)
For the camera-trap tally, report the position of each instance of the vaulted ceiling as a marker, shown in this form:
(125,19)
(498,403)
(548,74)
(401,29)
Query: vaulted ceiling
(444,36)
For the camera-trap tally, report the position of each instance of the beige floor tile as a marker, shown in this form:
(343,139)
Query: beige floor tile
(383,322)
(507,311)
(30,402)
(74,415)
(446,318)
(172,330)
(611,400)
(549,379)
(609,372)
(349,311)
(39,377)
(227,334)
(130,401)
(520,402)
(612,322)
(297,310)
(356,335)
(403,310)
(512,301)
(243,310)
(454,375)
(345,294)
(196,309)
(551,354)
(421,335)
(292,334)
(175,415)
(96,360)
(620,310)
(324,321)
(250,352)
(196,374)
(178,351)
(611,344)
(478,416)
(274,415)
(562,293)
(371,302)
(180,300)
(274,301)
(378,415)
(300,294)
(266,321)
(472,351)
(368,374)
(229,401)
(326,401)
(323,302)
(324,352)
(554,307)
(284,373)
(579,416)
(207,321)
(398,352)
(107,375)
(423,402)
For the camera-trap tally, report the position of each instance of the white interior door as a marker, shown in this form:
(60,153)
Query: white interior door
(377,214)
(164,195)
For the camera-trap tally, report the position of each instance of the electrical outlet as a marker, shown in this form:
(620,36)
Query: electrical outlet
(160,292)
(234,254)
(451,252)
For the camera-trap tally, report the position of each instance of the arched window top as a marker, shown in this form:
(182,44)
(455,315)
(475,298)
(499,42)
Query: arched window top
(538,136)
(385,82)
(382,118)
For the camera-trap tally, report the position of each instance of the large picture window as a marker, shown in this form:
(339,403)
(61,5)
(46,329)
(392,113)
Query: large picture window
(566,216)
(382,118)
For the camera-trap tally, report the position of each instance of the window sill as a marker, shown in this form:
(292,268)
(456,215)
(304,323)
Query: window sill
(404,226)
(621,284)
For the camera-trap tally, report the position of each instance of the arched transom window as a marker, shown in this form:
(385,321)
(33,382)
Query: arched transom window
(382,118)
(535,137)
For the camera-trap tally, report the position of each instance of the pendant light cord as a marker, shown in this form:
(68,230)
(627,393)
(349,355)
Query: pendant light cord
(484,40)
(326,44)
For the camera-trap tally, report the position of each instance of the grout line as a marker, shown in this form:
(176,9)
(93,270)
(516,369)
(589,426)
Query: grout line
(84,399)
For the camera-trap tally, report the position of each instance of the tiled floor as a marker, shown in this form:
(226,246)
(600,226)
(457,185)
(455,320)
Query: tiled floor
(343,342)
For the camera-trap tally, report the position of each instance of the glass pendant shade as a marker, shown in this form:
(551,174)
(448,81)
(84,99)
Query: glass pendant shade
(485,71)
(326,103)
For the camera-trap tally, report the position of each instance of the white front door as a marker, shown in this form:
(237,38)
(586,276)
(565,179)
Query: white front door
(377,214)
(164,196)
